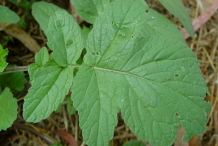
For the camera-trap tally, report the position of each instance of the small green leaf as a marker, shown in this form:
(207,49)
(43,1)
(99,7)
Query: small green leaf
(8,16)
(32,70)
(134,143)
(177,8)
(26,4)
(58,110)
(42,56)
(42,11)
(50,84)
(85,31)
(8,109)
(70,109)
(89,10)
(3,54)
(15,80)
(64,38)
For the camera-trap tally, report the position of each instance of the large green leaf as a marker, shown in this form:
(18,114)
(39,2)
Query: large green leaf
(89,10)
(8,109)
(177,8)
(154,81)
(8,16)
(42,11)
(50,84)
(64,38)
(3,54)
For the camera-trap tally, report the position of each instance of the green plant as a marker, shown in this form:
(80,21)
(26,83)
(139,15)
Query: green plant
(8,104)
(136,63)
(14,81)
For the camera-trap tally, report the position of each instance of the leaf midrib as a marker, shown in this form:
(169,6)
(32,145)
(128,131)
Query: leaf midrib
(120,72)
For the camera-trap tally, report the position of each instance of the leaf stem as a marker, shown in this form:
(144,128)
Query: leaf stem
(15,69)
(75,66)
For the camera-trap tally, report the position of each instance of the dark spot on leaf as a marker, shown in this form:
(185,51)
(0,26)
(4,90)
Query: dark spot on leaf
(178,116)
(93,53)
(134,23)
(176,75)
(97,53)
(69,42)
(146,11)
(132,36)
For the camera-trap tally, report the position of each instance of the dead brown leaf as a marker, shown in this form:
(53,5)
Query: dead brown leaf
(179,141)
(202,19)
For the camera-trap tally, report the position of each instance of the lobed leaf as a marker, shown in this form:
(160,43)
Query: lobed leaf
(97,108)
(3,54)
(51,78)
(50,84)
(165,89)
(64,38)
(177,8)
(89,10)
(8,16)
(8,109)
(154,80)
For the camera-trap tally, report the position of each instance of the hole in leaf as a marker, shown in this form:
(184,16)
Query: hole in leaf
(176,75)
(97,53)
